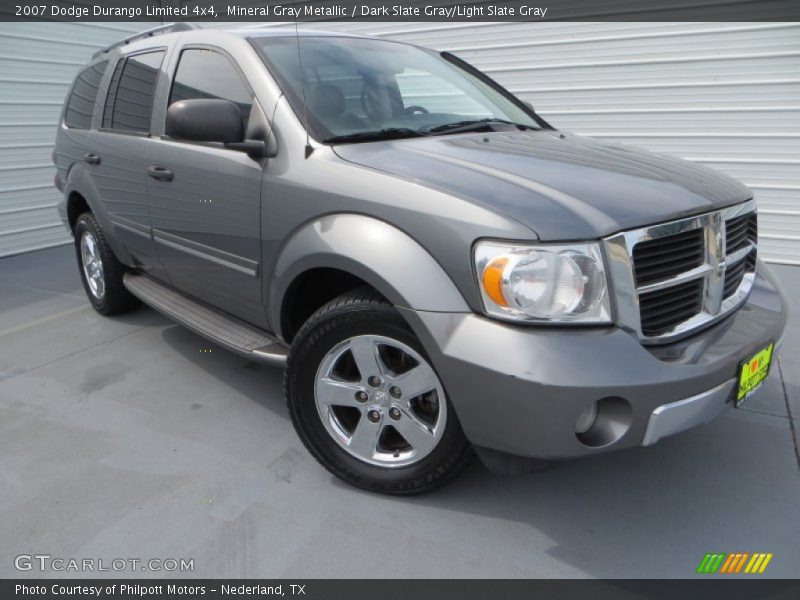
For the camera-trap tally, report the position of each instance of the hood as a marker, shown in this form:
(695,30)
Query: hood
(562,186)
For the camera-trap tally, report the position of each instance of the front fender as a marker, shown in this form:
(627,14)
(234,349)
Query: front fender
(383,256)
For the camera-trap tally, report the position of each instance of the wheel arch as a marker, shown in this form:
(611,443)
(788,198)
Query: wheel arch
(311,290)
(76,206)
(81,195)
(359,250)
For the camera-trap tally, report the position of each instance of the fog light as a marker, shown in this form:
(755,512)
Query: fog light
(604,422)
(586,419)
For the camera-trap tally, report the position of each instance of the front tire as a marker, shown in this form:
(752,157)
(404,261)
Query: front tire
(366,401)
(101,272)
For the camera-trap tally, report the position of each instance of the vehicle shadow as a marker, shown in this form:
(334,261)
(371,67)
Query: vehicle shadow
(729,486)
(263,384)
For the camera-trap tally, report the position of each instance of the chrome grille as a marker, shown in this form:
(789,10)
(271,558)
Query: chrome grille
(739,231)
(675,278)
(658,259)
(662,309)
(734,275)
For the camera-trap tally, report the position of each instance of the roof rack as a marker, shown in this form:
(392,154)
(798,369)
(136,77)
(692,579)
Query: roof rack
(160,30)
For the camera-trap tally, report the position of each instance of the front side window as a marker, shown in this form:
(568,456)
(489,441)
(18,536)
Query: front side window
(207,74)
(130,96)
(355,87)
(80,105)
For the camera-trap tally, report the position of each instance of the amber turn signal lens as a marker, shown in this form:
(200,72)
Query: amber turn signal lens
(493,280)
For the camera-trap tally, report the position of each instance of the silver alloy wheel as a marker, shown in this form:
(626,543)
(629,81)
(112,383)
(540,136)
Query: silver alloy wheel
(380,400)
(93,265)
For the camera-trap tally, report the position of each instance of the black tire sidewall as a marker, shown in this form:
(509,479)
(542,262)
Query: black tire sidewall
(313,342)
(87,224)
(117,299)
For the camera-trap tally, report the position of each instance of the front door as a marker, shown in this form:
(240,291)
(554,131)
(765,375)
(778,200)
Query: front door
(205,200)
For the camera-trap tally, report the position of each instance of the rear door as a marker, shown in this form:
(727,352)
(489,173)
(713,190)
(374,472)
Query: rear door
(119,150)
(206,210)
(73,134)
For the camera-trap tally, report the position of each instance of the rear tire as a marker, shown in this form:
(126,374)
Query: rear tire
(343,383)
(101,272)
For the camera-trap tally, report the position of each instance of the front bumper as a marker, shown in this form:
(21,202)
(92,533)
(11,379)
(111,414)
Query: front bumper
(687,413)
(519,390)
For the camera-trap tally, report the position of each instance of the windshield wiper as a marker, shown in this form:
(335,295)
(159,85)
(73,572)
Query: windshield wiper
(390,133)
(474,125)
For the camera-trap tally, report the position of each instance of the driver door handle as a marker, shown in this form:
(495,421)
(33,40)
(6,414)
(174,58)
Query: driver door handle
(91,159)
(160,173)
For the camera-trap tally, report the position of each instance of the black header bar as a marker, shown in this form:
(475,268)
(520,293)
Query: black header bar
(734,588)
(164,11)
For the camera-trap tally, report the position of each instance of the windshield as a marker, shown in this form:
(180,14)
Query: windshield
(364,89)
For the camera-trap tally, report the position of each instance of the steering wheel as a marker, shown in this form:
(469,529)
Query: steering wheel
(412,110)
(369,103)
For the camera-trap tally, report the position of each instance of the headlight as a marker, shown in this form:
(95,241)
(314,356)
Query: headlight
(543,282)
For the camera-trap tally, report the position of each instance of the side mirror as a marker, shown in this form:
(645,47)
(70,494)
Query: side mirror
(214,120)
(205,120)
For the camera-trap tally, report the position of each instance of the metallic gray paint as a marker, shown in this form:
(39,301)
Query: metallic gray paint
(372,250)
(520,390)
(209,213)
(564,187)
(299,191)
(403,216)
(79,181)
(119,185)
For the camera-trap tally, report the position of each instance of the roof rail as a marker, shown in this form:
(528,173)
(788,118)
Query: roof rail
(160,30)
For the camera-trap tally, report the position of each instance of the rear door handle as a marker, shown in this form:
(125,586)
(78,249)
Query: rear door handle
(92,159)
(160,173)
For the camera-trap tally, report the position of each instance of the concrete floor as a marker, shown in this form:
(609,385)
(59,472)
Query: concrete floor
(131,437)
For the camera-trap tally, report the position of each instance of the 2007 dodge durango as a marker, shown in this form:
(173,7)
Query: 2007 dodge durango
(442,272)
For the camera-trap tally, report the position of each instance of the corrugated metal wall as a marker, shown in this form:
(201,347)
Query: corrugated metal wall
(37,64)
(724,94)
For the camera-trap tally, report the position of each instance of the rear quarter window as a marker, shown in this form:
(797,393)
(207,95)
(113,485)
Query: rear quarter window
(80,104)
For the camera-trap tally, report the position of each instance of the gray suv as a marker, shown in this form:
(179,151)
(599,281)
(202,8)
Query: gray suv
(442,272)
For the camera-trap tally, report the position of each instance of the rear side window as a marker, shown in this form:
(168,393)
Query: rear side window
(83,95)
(130,96)
(108,111)
(207,74)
